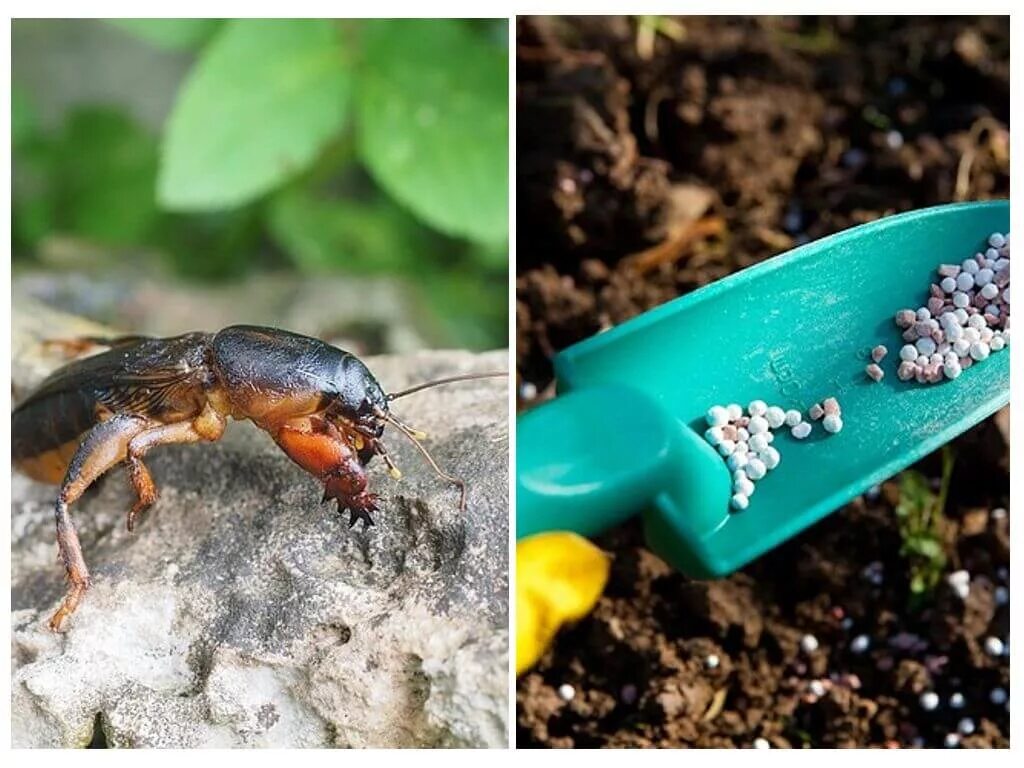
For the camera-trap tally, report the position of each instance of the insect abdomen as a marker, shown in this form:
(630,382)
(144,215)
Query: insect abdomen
(162,380)
(46,431)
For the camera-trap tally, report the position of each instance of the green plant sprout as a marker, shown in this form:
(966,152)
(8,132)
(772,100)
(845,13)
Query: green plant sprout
(649,27)
(922,524)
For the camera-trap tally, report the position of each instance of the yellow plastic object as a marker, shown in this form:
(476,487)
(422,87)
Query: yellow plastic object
(559,578)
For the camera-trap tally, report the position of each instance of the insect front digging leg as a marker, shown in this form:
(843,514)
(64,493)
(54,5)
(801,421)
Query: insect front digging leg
(104,446)
(329,454)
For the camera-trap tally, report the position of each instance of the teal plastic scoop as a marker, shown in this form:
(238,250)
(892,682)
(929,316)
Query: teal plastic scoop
(625,436)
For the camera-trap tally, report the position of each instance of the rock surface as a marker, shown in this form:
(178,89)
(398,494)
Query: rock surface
(243,613)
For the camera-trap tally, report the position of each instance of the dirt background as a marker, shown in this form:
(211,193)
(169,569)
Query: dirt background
(651,164)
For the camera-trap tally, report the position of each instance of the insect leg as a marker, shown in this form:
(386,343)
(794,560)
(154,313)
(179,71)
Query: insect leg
(104,446)
(209,426)
(328,454)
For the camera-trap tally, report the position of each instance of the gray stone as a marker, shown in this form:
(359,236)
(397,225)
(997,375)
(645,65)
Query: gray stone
(241,612)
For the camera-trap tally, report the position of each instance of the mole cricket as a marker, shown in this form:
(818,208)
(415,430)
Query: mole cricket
(321,405)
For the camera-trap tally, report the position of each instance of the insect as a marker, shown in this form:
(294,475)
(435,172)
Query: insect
(320,404)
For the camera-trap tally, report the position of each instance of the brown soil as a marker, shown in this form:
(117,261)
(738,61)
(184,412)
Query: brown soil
(641,178)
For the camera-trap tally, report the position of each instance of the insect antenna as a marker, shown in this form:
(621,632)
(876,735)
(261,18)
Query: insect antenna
(446,380)
(412,434)
(416,435)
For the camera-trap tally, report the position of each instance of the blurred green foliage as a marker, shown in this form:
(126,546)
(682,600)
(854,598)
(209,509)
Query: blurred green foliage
(322,146)
(185,34)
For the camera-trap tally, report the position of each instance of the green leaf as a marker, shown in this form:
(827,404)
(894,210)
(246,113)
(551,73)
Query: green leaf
(173,34)
(471,305)
(106,173)
(915,494)
(24,122)
(333,235)
(33,204)
(264,99)
(433,123)
(925,547)
(490,255)
(32,175)
(214,246)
